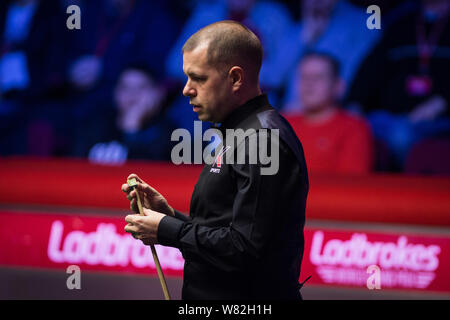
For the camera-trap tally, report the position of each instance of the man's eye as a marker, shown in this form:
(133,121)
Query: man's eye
(198,79)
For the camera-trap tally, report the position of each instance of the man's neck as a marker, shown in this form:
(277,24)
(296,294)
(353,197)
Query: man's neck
(247,95)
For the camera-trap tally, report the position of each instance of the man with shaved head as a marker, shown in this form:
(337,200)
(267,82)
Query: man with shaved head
(243,238)
(222,63)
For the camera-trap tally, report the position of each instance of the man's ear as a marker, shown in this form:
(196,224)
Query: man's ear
(236,77)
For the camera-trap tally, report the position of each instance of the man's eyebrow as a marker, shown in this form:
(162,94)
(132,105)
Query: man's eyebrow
(193,74)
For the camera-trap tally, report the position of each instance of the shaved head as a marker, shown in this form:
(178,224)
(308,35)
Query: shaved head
(229,44)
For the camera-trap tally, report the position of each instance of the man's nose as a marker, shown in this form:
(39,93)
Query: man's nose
(188,91)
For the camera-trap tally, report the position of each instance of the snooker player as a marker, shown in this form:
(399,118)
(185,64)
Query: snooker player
(243,238)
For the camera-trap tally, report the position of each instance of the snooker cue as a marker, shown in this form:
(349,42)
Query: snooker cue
(154,253)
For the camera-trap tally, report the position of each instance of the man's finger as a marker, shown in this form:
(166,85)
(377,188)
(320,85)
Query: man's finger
(144,187)
(141,185)
(131,218)
(131,196)
(147,212)
(130,228)
(134,206)
(125,187)
(133,175)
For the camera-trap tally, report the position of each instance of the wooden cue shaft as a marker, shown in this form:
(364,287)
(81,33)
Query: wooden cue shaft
(155,256)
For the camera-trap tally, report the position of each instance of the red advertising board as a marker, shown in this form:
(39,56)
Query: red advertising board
(333,257)
(405,261)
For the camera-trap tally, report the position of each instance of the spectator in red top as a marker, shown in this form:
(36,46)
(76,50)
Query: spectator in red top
(333,139)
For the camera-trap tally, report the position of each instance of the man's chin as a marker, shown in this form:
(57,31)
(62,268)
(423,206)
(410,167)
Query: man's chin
(203,117)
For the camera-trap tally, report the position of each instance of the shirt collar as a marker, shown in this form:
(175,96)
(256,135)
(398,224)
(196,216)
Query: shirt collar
(243,111)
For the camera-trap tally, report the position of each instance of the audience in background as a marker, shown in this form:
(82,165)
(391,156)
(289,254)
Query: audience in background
(31,70)
(135,129)
(336,27)
(66,75)
(29,48)
(404,84)
(114,34)
(333,139)
(80,92)
(267,19)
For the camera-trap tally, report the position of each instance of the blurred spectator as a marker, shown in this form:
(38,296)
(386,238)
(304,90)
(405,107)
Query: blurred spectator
(31,66)
(333,139)
(28,43)
(332,26)
(56,77)
(404,83)
(268,19)
(113,34)
(135,129)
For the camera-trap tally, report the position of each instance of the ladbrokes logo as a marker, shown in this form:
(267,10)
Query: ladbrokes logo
(106,247)
(402,264)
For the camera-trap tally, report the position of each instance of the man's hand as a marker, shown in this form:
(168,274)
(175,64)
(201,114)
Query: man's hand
(144,228)
(151,199)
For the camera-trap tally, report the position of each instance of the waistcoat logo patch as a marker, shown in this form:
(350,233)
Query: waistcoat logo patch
(219,160)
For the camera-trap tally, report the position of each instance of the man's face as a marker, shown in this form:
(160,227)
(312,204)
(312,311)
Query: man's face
(206,86)
(318,85)
(135,90)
